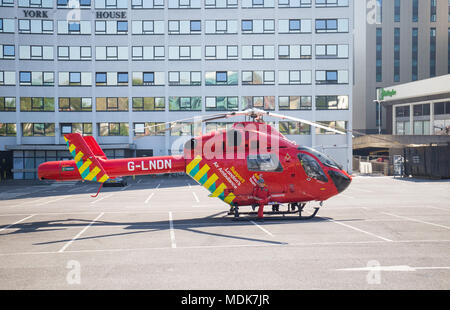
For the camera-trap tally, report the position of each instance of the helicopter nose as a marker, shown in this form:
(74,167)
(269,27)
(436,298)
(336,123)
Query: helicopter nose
(340,180)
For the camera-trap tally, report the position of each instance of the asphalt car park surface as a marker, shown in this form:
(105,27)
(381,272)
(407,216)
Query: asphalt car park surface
(166,233)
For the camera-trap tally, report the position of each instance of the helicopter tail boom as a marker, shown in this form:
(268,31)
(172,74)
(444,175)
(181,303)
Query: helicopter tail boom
(90,163)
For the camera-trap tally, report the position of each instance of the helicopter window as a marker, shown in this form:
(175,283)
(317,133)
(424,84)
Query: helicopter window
(312,167)
(264,162)
(324,159)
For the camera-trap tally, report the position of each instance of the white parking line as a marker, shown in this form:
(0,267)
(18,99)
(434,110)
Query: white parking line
(4,228)
(128,186)
(262,228)
(172,232)
(195,196)
(360,230)
(393,268)
(158,186)
(54,200)
(149,197)
(80,233)
(139,181)
(414,220)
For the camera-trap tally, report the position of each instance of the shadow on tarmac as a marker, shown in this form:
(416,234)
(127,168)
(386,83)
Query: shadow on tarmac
(130,228)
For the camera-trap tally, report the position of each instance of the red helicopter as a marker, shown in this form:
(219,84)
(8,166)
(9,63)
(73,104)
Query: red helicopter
(250,164)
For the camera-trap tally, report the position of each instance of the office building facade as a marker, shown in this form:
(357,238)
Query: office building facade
(396,42)
(115,68)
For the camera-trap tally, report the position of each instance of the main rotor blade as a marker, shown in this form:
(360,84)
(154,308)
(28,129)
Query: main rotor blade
(176,123)
(306,122)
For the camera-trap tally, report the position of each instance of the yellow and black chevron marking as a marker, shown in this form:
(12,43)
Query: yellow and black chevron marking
(84,167)
(200,174)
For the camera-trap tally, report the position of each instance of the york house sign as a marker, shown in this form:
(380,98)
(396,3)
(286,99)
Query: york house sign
(111,14)
(35,13)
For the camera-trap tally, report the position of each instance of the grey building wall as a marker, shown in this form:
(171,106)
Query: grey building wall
(364,90)
(337,146)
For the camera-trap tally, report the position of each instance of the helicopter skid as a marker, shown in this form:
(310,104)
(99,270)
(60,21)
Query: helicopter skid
(235,211)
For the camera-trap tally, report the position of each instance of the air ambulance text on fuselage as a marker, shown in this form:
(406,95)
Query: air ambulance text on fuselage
(144,165)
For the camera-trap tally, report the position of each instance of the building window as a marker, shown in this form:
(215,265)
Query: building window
(185,27)
(258,77)
(221,78)
(111,104)
(148,27)
(7,104)
(379,53)
(111,4)
(185,129)
(397,11)
(294,128)
(148,52)
(258,3)
(258,26)
(258,52)
(36,78)
(35,52)
(113,129)
(301,3)
(213,4)
(80,27)
(8,130)
(217,126)
(7,78)
(111,53)
(415,54)
(260,102)
(397,55)
(338,125)
(185,103)
(111,27)
(332,51)
(294,103)
(39,26)
(332,77)
(421,110)
(294,26)
(415,11)
(379,11)
(9,3)
(221,103)
(432,52)
(7,25)
(82,128)
(221,26)
(74,53)
(150,78)
(294,51)
(148,104)
(75,104)
(184,4)
(147,4)
(75,79)
(111,78)
(38,129)
(185,52)
(37,104)
(7,52)
(332,103)
(294,77)
(220,52)
(433,10)
(149,129)
(66,3)
(185,78)
(331,25)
